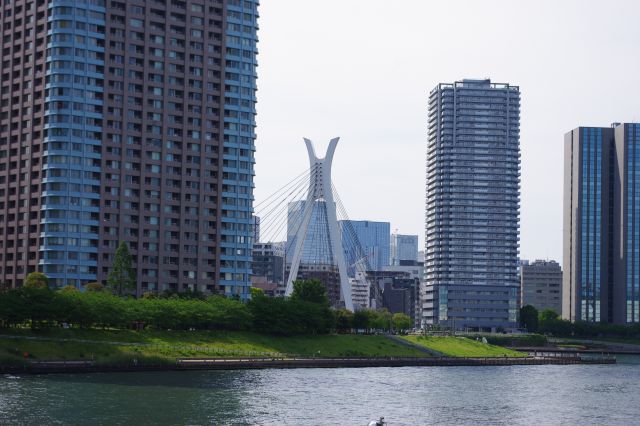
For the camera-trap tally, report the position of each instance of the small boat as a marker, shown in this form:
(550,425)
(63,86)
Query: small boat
(379,422)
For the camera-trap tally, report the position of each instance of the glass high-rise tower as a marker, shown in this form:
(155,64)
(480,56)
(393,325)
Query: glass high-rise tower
(128,121)
(365,238)
(601,253)
(472,205)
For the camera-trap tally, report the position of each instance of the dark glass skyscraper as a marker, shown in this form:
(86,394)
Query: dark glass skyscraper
(626,225)
(128,121)
(586,223)
(472,205)
(601,280)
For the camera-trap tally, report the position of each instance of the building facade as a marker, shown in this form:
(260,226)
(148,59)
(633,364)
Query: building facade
(373,239)
(472,205)
(256,229)
(316,248)
(128,121)
(587,210)
(541,285)
(396,290)
(268,262)
(404,248)
(601,228)
(360,291)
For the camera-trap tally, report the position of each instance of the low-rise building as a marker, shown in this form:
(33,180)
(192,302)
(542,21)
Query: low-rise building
(397,291)
(268,263)
(541,285)
(360,292)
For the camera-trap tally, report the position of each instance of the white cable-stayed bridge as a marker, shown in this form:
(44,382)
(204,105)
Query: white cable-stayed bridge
(307,219)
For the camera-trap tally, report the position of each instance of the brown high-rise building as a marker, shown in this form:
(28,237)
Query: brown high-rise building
(128,121)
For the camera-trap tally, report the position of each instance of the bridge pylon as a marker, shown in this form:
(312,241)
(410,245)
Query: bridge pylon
(320,190)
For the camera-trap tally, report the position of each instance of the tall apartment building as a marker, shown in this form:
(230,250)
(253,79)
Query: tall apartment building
(404,249)
(541,285)
(472,205)
(128,121)
(601,229)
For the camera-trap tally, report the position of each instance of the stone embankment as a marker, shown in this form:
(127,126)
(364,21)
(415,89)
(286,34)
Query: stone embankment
(82,366)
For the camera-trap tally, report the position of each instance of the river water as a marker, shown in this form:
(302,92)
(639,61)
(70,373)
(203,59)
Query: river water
(518,395)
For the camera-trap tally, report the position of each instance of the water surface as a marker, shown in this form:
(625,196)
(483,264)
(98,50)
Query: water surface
(518,395)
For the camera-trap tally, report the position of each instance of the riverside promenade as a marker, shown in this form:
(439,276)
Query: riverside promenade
(86,366)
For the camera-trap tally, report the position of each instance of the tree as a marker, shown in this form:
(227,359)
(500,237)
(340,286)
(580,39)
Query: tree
(122,276)
(256,292)
(290,316)
(361,319)
(344,320)
(39,304)
(94,287)
(381,319)
(529,318)
(13,308)
(36,280)
(401,321)
(548,315)
(549,322)
(312,291)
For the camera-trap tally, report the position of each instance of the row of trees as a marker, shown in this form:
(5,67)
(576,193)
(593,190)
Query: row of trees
(41,307)
(370,319)
(549,322)
(306,311)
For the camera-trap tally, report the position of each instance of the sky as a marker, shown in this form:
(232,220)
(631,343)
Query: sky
(362,70)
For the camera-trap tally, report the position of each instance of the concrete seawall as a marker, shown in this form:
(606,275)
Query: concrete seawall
(81,366)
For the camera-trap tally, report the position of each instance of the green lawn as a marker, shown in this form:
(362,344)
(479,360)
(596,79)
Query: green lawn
(109,346)
(511,339)
(461,347)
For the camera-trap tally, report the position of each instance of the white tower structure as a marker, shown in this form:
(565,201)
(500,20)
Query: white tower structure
(320,191)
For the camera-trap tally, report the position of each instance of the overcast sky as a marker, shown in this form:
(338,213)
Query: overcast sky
(362,70)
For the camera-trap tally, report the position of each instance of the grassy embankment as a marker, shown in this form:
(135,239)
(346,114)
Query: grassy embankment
(121,346)
(462,347)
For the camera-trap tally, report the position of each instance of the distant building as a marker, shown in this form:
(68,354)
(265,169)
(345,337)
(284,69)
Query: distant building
(414,270)
(256,229)
(374,239)
(317,259)
(403,248)
(316,249)
(360,291)
(396,291)
(520,263)
(268,263)
(541,285)
(472,205)
(270,289)
(601,228)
